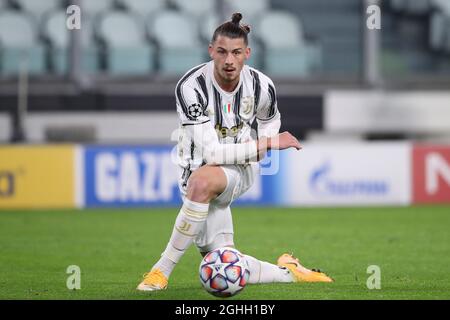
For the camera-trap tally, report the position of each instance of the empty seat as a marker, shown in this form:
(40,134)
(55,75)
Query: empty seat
(411,6)
(38,7)
(95,7)
(179,45)
(249,8)
(440,26)
(19,44)
(127,50)
(441,5)
(196,7)
(286,53)
(143,7)
(58,36)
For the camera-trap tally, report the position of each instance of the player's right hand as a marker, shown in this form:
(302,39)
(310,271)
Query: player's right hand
(283,141)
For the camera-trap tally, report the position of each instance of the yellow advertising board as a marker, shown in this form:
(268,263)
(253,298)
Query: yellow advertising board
(37,176)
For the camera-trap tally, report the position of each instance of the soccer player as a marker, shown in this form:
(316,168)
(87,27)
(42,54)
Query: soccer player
(217,103)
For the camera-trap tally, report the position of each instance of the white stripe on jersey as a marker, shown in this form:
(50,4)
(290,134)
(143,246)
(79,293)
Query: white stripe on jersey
(200,99)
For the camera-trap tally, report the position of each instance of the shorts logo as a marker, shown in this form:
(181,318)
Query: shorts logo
(195,111)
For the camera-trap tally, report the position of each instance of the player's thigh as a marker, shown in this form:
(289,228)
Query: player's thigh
(239,179)
(210,179)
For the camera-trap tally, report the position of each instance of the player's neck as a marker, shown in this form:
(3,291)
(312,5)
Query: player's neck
(226,86)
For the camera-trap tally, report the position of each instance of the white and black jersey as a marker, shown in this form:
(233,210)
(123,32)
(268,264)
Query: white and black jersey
(201,102)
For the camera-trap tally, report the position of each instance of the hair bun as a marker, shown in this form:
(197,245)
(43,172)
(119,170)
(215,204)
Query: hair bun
(236,18)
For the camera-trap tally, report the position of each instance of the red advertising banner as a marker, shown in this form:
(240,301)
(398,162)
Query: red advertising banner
(431,174)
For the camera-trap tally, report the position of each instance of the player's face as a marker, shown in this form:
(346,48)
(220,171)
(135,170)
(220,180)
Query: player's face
(229,56)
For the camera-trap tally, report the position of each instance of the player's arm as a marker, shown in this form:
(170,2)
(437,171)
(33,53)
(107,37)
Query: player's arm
(214,152)
(198,128)
(268,118)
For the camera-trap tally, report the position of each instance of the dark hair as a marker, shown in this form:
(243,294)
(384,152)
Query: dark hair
(233,29)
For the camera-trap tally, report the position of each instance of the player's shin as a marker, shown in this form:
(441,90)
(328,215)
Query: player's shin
(264,272)
(189,222)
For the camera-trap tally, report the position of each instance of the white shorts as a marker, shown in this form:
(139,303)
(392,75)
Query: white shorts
(218,230)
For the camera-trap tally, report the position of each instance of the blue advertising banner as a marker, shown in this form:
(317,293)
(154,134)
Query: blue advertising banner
(143,176)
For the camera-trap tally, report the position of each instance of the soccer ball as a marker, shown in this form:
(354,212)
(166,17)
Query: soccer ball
(224,272)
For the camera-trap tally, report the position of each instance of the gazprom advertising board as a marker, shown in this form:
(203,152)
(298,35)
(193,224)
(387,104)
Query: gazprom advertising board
(353,174)
(147,175)
(139,176)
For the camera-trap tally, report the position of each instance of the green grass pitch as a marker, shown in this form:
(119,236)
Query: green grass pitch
(114,248)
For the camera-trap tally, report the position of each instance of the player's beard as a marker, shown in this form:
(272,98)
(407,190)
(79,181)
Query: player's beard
(230,77)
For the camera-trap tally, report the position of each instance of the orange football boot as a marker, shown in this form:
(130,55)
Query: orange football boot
(300,273)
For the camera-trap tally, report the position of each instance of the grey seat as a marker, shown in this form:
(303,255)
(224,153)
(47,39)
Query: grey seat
(286,53)
(19,44)
(196,8)
(96,7)
(179,45)
(411,6)
(143,7)
(56,32)
(250,9)
(38,7)
(127,50)
(440,26)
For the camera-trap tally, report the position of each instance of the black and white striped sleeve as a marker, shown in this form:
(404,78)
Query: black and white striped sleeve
(191,105)
(267,108)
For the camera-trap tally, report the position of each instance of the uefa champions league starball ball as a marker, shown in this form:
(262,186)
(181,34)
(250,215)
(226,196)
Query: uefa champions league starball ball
(224,272)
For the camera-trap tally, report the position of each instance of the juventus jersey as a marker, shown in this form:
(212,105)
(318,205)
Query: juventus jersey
(201,101)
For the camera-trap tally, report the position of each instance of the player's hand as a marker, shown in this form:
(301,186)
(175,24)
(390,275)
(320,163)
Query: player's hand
(284,141)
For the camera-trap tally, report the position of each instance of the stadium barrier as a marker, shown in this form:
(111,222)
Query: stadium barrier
(70,176)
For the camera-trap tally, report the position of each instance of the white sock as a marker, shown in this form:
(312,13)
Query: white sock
(264,272)
(189,222)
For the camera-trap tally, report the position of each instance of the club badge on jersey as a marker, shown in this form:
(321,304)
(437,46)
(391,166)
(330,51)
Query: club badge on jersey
(247,108)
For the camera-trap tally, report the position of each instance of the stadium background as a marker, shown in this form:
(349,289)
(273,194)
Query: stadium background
(87,116)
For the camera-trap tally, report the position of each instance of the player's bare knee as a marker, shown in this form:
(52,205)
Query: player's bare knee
(199,189)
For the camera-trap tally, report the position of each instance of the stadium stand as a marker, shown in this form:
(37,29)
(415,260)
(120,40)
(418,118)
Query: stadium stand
(250,9)
(134,41)
(416,37)
(37,8)
(285,49)
(93,8)
(142,7)
(178,41)
(440,26)
(411,7)
(22,46)
(58,37)
(196,8)
(337,32)
(126,50)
